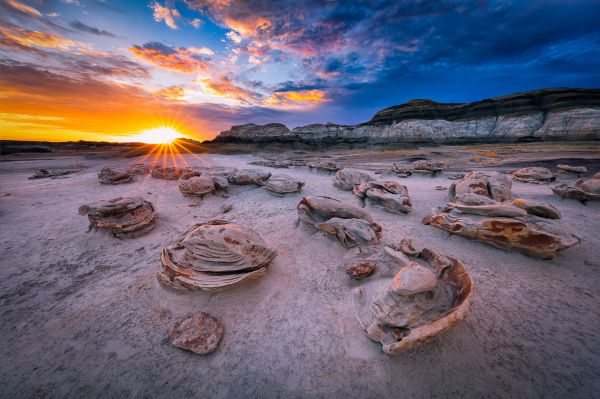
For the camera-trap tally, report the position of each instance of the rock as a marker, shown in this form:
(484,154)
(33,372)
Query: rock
(200,334)
(347,178)
(426,297)
(497,209)
(226,208)
(251,132)
(273,163)
(350,225)
(402,170)
(361,270)
(537,208)
(582,190)
(125,217)
(197,186)
(473,199)
(455,176)
(248,176)
(167,172)
(114,176)
(413,279)
(54,174)
(489,184)
(388,194)
(214,255)
(537,237)
(596,176)
(406,246)
(429,166)
(533,175)
(139,169)
(282,184)
(441,188)
(326,166)
(578,170)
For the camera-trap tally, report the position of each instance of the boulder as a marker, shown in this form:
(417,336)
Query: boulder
(428,165)
(346,179)
(361,270)
(582,190)
(114,176)
(578,170)
(212,256)
(491,184)
(282,184)
(167,172)
(125,217)
(387,194)
(402,170)
(537,208)
(248,176)
(535,175)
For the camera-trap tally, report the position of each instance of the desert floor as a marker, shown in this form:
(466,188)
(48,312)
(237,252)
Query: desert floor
(83,315)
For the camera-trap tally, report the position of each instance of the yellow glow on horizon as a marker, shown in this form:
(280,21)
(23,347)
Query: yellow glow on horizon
(157,135)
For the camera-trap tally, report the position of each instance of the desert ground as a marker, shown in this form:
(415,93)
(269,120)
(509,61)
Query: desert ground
(84,316)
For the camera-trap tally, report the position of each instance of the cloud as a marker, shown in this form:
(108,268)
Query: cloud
(180,59)
(24,8)
(13,37)
(196,23)
(166,14)
(171,92)
(80,26)
(223,86)
(296,99)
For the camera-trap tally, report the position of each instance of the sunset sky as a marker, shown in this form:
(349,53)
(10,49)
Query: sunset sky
(107,69)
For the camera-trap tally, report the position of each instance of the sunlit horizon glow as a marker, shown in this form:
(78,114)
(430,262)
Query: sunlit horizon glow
(108,70)
(158,135)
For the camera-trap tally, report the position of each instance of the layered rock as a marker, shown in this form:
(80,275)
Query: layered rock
(541,115)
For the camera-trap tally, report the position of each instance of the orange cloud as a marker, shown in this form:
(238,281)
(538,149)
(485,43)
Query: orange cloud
(180,59)
(295,98)
(171,92)
(19,37)
(24,8)
(226,88)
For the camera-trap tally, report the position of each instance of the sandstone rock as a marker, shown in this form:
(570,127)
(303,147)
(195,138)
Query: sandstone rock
(214,255)
(351,226)
(325,166)
(441,188)
(114,176)
(497,209)
(200,334)
(361,270)
(248,176)
(582,190)
(578,170)
(533,175)
(426,297)
(55,173)
(534,236)
(347,178)
(537,208)
(125,217)
(427,165)
(596,176)
(139,169)
(406,246)
(388,194)
(282,184)
(197,185)
(490,184)
(455,176)
(402,170)
(473,199)
(167,172)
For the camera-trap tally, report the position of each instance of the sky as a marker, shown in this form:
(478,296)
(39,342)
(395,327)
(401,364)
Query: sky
(108,70)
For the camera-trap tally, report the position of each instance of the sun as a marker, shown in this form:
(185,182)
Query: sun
(157,135)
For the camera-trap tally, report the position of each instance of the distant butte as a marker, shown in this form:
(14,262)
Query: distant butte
(540,115)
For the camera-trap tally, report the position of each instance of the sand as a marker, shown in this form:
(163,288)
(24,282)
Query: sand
(83,315)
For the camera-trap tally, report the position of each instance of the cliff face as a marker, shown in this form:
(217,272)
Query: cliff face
(541,115)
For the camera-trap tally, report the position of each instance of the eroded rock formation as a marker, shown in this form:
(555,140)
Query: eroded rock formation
(214,255)
(535,175)
(282,184)
(350,225)
(387,194)
(114,176)
(199,334)
(428,295)
(125,217)
(582,190)
(347,178)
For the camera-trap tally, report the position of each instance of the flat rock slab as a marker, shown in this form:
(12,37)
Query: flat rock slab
(199,334)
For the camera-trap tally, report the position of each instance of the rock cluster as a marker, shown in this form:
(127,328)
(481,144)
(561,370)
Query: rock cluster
(198,184)
(350,225)
(479,209)
(428,295)
(214,255)
(125,217)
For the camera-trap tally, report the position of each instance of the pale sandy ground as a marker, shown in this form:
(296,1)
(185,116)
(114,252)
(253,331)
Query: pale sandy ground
(83,316)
